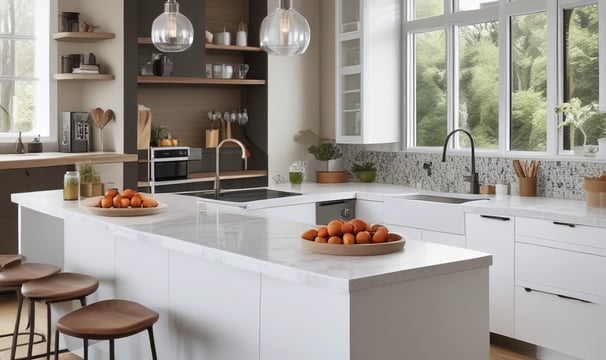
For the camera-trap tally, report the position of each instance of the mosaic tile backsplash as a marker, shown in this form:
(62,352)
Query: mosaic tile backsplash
(556,179)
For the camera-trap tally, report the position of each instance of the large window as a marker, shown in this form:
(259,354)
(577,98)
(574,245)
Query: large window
(24,69)
(528,121)
(580,69)
(492,70)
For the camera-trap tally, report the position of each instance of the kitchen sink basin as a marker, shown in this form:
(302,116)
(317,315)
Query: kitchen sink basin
(441,198)
(245,195)
(439,212)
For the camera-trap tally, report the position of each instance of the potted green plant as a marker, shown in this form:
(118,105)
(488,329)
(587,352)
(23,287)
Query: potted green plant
(90,180)
(578,116)
(365,172)
(326,151)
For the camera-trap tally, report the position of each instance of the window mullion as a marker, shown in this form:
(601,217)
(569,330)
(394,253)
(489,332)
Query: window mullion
(452,61)
(554,74)
(504,80)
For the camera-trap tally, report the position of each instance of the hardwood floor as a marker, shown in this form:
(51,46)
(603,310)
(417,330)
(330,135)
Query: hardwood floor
(8,308)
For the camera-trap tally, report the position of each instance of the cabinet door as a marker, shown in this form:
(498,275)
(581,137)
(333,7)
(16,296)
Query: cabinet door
(495,235)
(370,211)
(367,68)
(444,238)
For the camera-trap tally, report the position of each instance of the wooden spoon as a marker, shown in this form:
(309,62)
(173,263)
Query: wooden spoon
(97,115)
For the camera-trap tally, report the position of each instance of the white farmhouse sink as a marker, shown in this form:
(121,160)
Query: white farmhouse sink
(437,212)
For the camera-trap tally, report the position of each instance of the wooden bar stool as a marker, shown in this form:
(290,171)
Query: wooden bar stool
(17,274)
(108,320)
(52,289)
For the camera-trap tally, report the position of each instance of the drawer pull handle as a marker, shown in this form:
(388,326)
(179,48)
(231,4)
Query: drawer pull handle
(502,218)
(564,224)
(573,298)
(560,296)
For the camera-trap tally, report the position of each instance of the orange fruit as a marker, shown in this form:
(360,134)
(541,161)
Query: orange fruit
(363,237)
(128,193)
(135,202)
(323,232)
(334,228)
(125,202)
(349,239)
(335,240)
(107,202)
(111,192)
(347,228)
(117,201)
(309,234)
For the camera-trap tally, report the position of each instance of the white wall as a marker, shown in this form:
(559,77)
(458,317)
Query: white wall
(294,96)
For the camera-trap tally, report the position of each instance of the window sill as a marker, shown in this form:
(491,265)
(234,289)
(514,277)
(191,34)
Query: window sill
(47,159)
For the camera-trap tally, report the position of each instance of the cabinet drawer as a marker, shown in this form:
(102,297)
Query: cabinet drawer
(562,232)
(569,326)
(576,274)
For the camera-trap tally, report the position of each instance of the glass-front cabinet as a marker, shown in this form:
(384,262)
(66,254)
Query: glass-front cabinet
(368,71)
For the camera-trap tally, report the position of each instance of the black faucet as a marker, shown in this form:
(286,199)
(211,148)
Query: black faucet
(473,178)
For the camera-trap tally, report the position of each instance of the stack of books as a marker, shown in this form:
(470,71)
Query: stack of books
(87,69)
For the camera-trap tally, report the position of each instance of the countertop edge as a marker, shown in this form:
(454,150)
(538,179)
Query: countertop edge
(47,159)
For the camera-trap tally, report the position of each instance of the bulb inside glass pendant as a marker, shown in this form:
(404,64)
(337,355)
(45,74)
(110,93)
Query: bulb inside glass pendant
(285,31)
(171,30)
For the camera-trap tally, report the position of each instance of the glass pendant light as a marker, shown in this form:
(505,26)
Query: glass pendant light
(171,30)
(285,31)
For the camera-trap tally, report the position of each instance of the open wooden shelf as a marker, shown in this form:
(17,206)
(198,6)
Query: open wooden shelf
(209,176)
(83,76)
(232,48)
(83,36)
(195,81)
(148,41)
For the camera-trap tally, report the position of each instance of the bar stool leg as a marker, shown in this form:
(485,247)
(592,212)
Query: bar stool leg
(152,343)
(85,348)
(32,326)
(48,331)
(17,321)
(56,347)
(112,355)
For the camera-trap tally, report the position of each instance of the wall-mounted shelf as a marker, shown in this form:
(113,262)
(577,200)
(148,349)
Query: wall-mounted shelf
(68,76)
(83,36)
(148,41)
(195,81)
(232,48)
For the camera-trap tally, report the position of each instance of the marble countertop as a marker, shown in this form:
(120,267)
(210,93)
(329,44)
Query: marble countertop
(569,211)
(266,245)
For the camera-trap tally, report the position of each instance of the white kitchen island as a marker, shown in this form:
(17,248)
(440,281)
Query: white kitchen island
(232,286)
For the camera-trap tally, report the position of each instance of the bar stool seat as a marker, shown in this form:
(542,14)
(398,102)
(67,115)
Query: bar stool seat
(108,320)
(9,259)
(15,275)
(59,287)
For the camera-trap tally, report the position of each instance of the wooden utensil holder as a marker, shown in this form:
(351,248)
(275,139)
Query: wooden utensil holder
(528,186)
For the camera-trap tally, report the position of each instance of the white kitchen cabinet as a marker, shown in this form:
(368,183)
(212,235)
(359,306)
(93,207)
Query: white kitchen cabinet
(560,296)
(443,238)
(368,71)
(370,211)
(495,235)
(299,212)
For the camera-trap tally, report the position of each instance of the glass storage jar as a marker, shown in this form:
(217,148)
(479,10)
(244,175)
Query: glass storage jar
(71,185)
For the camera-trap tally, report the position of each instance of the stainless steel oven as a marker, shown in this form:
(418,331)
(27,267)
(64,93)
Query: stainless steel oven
(168,163)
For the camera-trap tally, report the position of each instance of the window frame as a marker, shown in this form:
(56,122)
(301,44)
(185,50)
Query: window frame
(502,13)
(44,104)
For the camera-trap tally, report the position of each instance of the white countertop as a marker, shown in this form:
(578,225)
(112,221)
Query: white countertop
(569,211)
(265,245)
